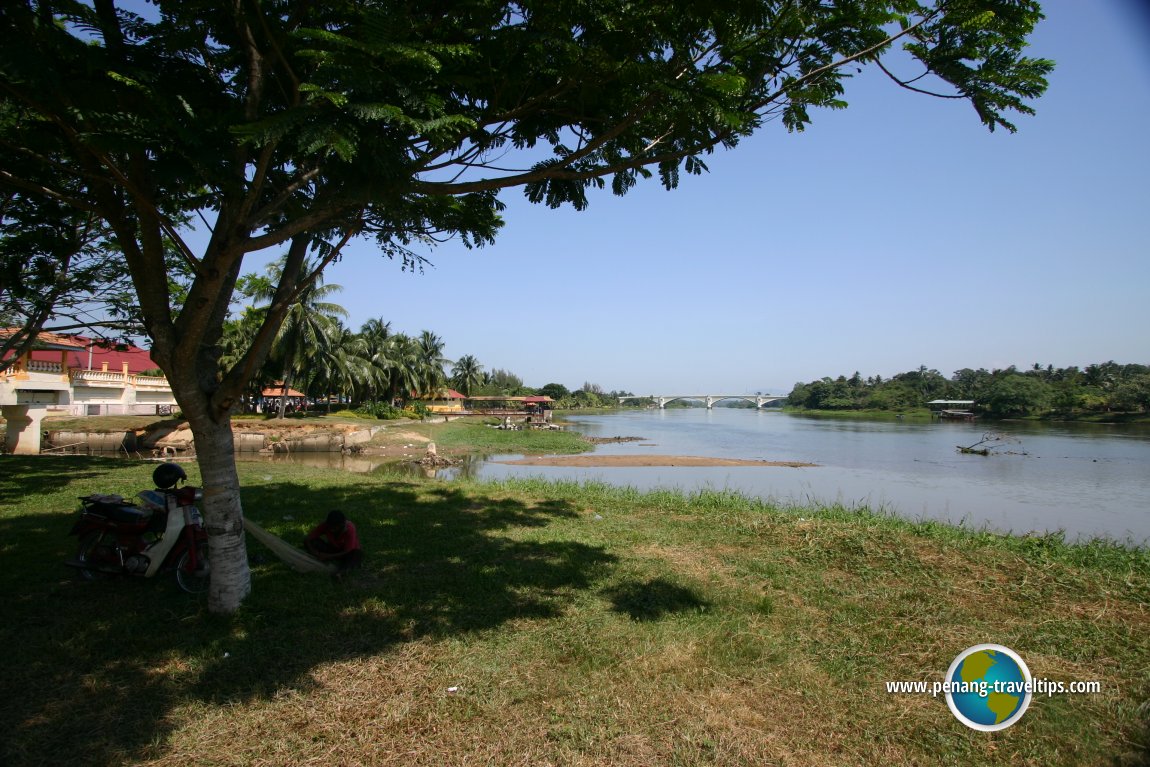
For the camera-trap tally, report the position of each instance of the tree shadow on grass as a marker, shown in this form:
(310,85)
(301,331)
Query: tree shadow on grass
(654,599)
(24,474)
(93,669)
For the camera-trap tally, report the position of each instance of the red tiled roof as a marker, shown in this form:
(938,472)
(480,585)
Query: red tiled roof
(115,355)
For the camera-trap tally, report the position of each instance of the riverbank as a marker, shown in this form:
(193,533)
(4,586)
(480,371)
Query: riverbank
(529,622)
(405,440)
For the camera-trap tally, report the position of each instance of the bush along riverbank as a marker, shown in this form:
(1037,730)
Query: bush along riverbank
(560,623)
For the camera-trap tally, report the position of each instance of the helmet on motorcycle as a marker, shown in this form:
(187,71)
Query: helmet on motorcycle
(167,475)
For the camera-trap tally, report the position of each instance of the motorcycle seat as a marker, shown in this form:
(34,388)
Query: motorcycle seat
(116,512)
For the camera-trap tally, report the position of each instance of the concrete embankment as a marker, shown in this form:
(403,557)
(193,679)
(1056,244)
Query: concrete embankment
(91,442)
(326,442)
(179,442)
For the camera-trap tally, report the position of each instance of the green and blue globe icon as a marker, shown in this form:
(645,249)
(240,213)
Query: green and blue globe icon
(988,687)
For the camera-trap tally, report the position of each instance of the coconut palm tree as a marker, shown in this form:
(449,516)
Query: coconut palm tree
(308,330)
(432,376)
(239,335)
(375,332)
(376,336)
(404,366)
(343,366)
(467,374)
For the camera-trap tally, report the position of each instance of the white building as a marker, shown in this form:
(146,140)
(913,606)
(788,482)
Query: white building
(53,379)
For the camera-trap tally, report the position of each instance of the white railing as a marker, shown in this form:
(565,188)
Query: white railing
(109,376)
(43,366)
(97,375)
(151,382)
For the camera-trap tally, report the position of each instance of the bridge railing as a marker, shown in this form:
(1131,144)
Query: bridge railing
(709,399)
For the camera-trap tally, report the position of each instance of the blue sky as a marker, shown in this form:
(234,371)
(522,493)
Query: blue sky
(893,234)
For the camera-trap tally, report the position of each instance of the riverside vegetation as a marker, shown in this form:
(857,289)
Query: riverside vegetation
(526,622)
(1107,391)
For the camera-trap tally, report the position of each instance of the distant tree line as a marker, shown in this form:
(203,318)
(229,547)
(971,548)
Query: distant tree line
(1103,387)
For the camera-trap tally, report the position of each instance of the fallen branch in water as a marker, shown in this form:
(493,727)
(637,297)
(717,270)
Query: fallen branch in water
(990,441)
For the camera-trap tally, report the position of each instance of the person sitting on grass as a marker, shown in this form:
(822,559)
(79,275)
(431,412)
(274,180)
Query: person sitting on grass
(335,540)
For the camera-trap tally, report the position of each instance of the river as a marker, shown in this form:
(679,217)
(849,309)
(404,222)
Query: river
(1089,480)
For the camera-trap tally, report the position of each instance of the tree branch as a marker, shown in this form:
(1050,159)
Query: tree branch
(907,84)
(560,172)
(43,191)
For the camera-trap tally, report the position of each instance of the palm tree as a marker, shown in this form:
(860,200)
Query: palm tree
(343,367)
(375,333)
(432,377)
(376,336)
(467,374)
(308,329)
(239,335)
(404,366)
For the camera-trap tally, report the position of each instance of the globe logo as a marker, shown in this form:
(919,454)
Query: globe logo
(988,687)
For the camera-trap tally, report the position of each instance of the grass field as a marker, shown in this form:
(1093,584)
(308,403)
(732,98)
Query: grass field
(471,435)
(527,623)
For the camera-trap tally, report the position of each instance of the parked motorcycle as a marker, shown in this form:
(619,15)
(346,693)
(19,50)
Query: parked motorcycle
(164,532)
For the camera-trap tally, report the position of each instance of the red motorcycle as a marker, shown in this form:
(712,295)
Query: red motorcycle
(165,532)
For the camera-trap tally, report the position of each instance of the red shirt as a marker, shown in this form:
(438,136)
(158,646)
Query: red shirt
(345,540)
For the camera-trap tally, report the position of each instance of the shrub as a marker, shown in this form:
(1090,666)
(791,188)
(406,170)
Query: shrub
(384,411)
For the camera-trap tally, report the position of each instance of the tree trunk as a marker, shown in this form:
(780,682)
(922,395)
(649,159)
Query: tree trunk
(284,392)
(223,514)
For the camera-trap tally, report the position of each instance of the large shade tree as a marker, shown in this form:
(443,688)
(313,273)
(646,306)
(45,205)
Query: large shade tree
(299,126)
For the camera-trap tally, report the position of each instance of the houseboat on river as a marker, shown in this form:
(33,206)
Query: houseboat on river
(952,409)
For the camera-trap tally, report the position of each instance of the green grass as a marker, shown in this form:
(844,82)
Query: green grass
(468,435)
(528,622)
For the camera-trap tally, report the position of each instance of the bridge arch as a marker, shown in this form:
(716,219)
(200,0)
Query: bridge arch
(744,397)
(662,400)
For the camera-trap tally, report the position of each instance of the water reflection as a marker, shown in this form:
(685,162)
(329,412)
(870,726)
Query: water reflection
(462,466)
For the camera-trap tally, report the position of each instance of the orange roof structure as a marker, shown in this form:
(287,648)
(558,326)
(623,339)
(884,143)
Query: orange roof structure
(277,390)
(441,394)
(44,340)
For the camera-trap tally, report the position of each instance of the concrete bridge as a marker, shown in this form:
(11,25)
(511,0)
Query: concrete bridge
(710,399)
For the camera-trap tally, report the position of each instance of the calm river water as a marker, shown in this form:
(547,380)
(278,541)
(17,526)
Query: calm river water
(1086,479)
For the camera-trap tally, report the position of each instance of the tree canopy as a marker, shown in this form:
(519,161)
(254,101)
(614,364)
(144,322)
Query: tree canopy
(299,126)
(1101,387)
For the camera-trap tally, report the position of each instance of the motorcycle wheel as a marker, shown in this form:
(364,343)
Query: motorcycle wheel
(92,550)
(194,581)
